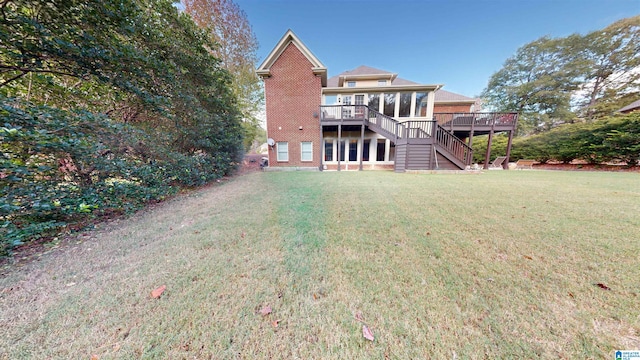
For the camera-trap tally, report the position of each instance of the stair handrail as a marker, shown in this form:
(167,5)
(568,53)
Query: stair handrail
(385,122)
(453,145)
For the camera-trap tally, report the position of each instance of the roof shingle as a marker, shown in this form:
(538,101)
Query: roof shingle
(633,105)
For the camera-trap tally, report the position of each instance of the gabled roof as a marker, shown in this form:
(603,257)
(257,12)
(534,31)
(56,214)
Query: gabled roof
(361,72)
(264,70)
(632,106)
(444,96)
(401,81)
(365,70)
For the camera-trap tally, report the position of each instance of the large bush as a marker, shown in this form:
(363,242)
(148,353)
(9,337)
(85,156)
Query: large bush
(616,138)
(136,108)
(59,168)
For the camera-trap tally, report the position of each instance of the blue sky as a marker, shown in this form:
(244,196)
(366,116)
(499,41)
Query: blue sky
(459,43)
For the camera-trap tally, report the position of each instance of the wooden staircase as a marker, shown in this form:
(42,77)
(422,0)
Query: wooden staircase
(420,145)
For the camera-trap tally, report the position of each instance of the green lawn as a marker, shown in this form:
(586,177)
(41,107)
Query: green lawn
(504,264)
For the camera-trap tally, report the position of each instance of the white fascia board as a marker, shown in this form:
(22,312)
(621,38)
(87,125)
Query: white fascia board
(389,88)
(318,68)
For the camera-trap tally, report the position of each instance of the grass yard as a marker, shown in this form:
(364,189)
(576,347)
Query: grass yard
(499,265)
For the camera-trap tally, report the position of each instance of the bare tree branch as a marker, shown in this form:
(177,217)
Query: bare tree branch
(13,78)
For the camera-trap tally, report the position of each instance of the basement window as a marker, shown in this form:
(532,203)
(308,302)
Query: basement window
(306,148)
(283,151)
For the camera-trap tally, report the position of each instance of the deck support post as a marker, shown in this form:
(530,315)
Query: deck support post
(339,144)
(361,144)
(487,155)
(505,165)
(473,123)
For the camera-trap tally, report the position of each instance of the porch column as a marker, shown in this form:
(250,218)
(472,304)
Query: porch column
(361,144)
(387,146)
(339,143)
(506,163)
(321,148)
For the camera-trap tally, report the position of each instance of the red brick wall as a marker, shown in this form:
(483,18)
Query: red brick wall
(293,95)
(449,108)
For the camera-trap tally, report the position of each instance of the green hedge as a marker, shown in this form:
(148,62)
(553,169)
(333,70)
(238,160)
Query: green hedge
(60,168)
(615,138)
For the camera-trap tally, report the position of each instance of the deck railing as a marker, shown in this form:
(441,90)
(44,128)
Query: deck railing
(418,129)
(343,112)
(476,119)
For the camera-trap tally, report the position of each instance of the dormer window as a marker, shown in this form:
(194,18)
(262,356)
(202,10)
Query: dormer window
(351,84)
(382,82)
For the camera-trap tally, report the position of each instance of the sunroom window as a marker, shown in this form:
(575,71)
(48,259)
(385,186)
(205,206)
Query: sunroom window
(421,104)
(405,104)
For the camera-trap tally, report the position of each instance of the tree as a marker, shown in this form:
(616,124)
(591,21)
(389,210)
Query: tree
(551,81)
(139,59)
(610,67)
(536,83)
(173,122)
(236,45)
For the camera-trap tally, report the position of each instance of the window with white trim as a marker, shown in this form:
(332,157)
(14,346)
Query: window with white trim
(306,151)
(282,148)
(351,84)
(382,82)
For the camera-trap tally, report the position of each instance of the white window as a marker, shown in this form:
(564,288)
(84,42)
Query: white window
(306,151)
(382,82)
(283,151)
(351,84)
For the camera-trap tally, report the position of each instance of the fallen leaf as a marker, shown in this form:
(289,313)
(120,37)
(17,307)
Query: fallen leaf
(428,233)
(266,310)
(315,297)
(367,333)
(570,294)
(359,316)
(157,292)
(528,257)
(94,357)
(275,323)
(243,234)
(602,286)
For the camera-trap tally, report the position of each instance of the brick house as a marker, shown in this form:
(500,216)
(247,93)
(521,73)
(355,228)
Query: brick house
(365,118)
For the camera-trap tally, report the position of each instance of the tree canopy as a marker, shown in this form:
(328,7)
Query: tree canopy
(551,81)
(228,27)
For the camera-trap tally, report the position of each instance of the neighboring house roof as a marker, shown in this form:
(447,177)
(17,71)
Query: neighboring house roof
(264,70)
(633,106)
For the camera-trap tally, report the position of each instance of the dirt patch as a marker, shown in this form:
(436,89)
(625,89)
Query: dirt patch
(250,163)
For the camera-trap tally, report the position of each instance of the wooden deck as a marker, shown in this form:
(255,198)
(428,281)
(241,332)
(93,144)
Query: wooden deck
(442,136)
